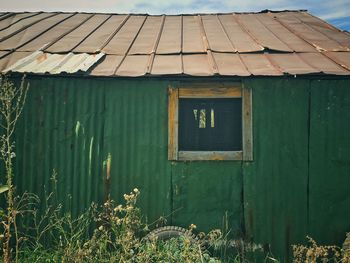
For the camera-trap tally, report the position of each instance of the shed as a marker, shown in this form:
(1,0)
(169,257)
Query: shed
(237,118)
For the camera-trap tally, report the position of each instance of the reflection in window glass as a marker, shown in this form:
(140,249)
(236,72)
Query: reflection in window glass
(195,111)
(202,118)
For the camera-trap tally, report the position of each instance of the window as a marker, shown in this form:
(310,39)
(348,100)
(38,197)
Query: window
(211,123)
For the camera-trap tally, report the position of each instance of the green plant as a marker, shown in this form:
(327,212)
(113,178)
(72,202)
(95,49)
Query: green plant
(346,249)
(236,250)
(313,253)
(3,188)
(12,99)
(117,236)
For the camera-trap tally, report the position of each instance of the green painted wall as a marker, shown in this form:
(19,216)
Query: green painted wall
(62,129)
(329,198)
(275,183)
(296,185)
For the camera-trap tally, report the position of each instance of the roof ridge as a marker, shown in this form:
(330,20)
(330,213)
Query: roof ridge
(178,14)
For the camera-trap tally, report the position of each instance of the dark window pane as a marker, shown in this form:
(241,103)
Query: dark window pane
(210,124)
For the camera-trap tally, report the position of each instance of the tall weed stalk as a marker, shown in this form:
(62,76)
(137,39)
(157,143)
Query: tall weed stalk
(12,99)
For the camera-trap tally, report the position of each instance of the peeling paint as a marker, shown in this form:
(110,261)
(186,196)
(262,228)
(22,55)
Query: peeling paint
(79,126)
(90,154)
(107,182)
(108,166)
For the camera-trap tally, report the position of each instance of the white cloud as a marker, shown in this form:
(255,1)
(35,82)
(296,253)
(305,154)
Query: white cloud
(335,15)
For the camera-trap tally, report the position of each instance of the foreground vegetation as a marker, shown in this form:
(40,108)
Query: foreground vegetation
(116,233)
(107,233)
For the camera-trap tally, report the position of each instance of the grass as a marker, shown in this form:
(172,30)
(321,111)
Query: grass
(114,232)
(107,233)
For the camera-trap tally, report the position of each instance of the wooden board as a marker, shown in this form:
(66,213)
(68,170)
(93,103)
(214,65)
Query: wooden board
(214,92)
(173,100)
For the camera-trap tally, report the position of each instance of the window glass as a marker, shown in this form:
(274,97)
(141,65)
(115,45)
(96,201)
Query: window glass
(210,124)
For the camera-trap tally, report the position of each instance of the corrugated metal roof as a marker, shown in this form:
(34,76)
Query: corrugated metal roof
(40,62)
(233,44)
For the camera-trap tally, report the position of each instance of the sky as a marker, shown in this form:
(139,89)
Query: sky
(336,12)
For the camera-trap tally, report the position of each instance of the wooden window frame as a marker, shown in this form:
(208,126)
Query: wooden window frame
(211,92)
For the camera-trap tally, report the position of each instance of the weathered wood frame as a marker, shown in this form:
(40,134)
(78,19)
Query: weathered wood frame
(236,91)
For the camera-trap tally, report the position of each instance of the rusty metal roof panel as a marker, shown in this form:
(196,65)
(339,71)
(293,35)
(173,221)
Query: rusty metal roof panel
(216,35)
(10,19)
(40,62)
(33,32)
(230,65)
(133,66)
(11,58)
(260,33)
(147,38)
(51,36)
(323,64)
(319,40)
(324,28)
(167,65)
(192,40)
(3,59)
(2,53)
(170,41)
(107,66)
(70,37)
(238,36)
(98,38)
(15,28)
(260,65)
(341,58)
(7,15)
(197,65)
(124,38)
(294,42)
(291,64)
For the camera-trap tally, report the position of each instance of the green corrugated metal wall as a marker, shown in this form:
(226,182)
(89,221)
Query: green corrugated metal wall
(296,185)
(275,183)
(136,137)
(62,129)
(74,125)
(329,198)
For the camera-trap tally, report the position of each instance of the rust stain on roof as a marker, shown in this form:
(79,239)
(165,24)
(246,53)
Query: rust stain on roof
(232,44)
